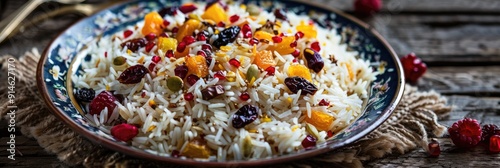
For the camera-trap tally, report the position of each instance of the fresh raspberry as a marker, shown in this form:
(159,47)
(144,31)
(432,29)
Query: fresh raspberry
(101,101)
(465,133)
(488,131)
(413,67)
(365,8)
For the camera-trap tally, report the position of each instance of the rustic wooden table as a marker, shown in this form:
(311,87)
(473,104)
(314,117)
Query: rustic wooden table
(458,39)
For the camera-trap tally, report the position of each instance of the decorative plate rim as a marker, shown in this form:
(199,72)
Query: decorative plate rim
(386,112)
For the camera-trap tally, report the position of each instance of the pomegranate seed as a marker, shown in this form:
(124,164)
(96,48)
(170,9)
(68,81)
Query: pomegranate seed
(124,132)
(220,75)
(164,35)
(280,14)
(192,79)
(106,54)
(187,8)
(495,144)
(206,47)
(202,53)
(254,41)
(270,70)
(293,44)
(234,62)
(247,31)
(299,35)
(127,33)
(296,53)
(295,60)
(234,18)
(175,30)
(151,66)
(221,24)
(188,40)
(434,149)
(143,94)
(244,96)
(156,59)
(315,46)
(150,46)
(201,36)
(176,153)
(181,71)
(150,37)
(329,133)
(308,142)
(188,96)
(181,47)
(166,23)
(323,102)
(169,54)
(277,39)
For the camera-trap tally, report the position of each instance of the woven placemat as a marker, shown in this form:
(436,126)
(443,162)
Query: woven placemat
(409,127)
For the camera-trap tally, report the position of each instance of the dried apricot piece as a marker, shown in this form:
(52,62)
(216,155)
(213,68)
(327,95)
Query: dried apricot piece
(153,23)
(264,59)
(299,70)
(197,65)
(165,44)
(320,120)
(188,28)
(262,35)
(284,47)
(215,13)
(308,30)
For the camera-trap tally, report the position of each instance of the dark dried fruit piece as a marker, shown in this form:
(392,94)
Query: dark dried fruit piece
(187,8)
(85,94)
(298,83)
(244,116)
(172,10)
(134,44)
(101,101)
(280,14)
(133,74)
(212,92)
(308,142)
(181,71)
(226,36)
(314,60)
(488,131)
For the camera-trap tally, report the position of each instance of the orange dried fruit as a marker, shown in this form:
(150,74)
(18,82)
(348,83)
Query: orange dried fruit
(299,70)
(153,23)
(308,30)
(188,28)
(264,59)
(197,65)
(182,54)
(320,120)
(262,35)
(284,47)
(165,44)
(215,13)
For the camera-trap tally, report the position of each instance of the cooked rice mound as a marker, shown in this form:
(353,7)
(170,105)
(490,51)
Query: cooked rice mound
(202,127)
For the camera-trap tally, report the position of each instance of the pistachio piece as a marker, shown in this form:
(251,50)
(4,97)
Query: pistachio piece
(312,130)
(253,10)
(119,60)
(174,83)
(247,146)
(253,73)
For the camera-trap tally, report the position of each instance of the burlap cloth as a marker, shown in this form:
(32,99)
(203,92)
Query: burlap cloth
(409,127)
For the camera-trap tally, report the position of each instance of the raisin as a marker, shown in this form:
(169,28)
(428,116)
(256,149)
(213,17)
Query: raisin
(134,44)
(244,116)
(298,83)
(208,57)
(171,11)
(85,94)
(314,60)
(227,36)
(133,74)
(181,71)
(280,14)
(212,92)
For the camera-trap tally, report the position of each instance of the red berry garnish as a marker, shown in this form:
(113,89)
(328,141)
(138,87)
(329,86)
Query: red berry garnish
(234,62)
(192,79)
(166,23)
(105,54)
(329,134)
(280,14)
(413,67)
(221,24)
(150,37)
(187,8)
(495,144)
(175,30)
(151,67)
(277,39)
(181,46)
(465,133)
(365,8)
(103,100)
(296,53)
(247,31)
(143,94)
(323,102)
(150,46)
(270,70)
(234,18)
(181,71)
(308,142)
(164,35)
(188,96)
(202,53)
(124,132)
(206,47)
(133,74)
(156,59)
(201,36)
(244,96)
(293,44)
(315,46)
(299,35)
(220,75)
(188,40)
(295,60)
(127,33)
(134,44)
(434,149)
(169,54)
(176,154)
(253,41)
(488,131)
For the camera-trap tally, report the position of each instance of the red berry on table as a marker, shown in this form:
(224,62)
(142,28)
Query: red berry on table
(124,132)
(365,8)
(413,67)
(308,142)
(495,144)
(465,133)
(434,149)
(488,131)
(101,101)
